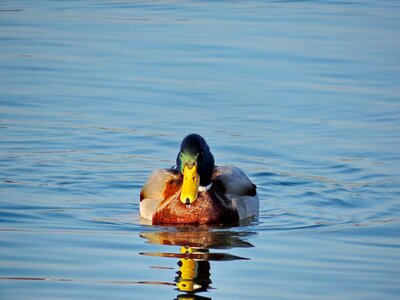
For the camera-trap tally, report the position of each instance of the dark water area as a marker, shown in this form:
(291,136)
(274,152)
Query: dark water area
(302,95)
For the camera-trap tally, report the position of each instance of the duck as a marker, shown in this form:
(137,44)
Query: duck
(196,191)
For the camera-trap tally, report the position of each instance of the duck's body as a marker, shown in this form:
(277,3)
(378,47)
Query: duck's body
(225,196)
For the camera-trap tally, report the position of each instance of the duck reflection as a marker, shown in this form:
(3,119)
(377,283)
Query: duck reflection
(196,250)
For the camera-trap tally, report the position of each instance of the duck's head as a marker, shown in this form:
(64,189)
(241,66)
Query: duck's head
(196,163)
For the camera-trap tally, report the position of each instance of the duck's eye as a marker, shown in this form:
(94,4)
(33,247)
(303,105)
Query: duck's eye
(193,178)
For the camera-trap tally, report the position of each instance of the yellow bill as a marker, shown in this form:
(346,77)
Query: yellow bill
(190,186)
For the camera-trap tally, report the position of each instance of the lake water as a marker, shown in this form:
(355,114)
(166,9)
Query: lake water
(302,95)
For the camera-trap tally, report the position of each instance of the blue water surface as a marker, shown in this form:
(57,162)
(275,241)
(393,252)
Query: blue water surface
(302,95)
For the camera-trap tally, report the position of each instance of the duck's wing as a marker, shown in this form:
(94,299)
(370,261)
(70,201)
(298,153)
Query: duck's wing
(239,189)
(235,181)
(154,191)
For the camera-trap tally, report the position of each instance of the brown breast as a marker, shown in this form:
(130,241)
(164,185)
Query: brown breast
(210,207)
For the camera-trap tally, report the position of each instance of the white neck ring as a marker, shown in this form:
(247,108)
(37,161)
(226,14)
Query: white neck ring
(205,188)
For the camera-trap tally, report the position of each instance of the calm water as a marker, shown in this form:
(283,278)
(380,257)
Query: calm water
(303,95)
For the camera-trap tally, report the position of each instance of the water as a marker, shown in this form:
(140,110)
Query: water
(302,95)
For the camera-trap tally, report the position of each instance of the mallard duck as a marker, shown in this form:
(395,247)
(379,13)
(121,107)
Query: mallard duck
(196,192)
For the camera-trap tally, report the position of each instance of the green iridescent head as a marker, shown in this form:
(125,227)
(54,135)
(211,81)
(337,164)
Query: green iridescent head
(196,164)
